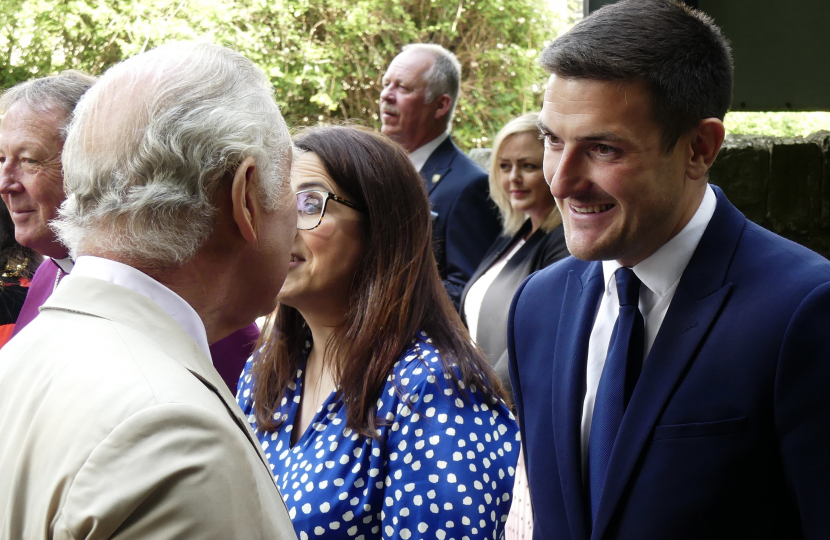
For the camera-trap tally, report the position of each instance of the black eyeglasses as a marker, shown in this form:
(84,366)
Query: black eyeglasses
(311,207)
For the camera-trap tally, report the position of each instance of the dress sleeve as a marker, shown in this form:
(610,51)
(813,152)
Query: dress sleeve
(449,462)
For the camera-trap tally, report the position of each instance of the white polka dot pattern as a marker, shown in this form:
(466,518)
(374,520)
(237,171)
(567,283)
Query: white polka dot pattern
(441,468)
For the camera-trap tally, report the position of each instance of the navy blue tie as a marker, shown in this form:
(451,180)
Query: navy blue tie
(619,375)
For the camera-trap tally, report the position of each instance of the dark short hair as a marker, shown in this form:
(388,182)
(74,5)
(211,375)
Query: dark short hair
(396,292)
(676,51)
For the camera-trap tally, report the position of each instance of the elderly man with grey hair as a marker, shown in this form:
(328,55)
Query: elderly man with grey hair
(420,91)
(33,118)
(181,219)
(35,115)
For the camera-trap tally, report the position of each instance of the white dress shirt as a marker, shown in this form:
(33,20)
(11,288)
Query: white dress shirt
(420,156)
(660,274)
(66,264)
(135,280)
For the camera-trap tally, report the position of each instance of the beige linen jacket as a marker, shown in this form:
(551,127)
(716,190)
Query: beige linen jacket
(114,424)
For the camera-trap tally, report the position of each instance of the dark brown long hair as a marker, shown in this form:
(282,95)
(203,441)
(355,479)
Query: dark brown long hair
(396,290)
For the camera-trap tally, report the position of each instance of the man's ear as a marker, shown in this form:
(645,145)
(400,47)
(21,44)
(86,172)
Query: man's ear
(245,198)
(444,104)
(705,144)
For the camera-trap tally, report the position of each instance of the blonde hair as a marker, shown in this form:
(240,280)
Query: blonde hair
(513,220)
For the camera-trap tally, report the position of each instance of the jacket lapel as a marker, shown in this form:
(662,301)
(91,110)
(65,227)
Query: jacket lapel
(438,164)
(579,306)
(498,249)
(124,306)
(698,300)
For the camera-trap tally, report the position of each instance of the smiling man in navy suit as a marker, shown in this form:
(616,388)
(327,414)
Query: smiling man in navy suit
(671,377)
(420,90)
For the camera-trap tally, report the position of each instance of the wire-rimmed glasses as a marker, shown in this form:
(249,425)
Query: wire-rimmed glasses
(311,207)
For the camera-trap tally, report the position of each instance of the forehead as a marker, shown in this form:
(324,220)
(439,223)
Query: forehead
(525,143)
(409,66)
(308,172)
(24,126)
(587,108)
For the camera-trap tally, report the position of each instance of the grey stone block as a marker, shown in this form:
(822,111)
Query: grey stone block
(482,157)
(795,185)
(742,170)
(822,138)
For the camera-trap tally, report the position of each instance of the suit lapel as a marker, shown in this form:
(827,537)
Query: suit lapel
(124,306)
(579,305)
(438,165)
(498,249)
(699,298)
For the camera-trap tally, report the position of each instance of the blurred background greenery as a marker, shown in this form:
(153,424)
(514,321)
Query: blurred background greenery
(326,57)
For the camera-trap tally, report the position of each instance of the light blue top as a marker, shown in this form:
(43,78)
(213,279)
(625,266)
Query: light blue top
(442,467)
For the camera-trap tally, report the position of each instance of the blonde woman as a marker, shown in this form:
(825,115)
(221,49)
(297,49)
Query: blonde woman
(531,238)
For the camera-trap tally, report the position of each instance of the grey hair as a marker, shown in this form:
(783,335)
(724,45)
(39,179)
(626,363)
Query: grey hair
(155,139)
(61,91)
(444,77)
(512,219)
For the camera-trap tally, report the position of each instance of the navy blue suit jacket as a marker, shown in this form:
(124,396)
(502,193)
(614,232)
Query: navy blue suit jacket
(727,434)
(467,221)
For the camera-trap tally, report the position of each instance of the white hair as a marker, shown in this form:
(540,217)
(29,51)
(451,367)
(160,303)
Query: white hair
(61,91)
(444,77)
(152,142)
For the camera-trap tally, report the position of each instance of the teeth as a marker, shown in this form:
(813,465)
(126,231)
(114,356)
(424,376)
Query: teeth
(596,209)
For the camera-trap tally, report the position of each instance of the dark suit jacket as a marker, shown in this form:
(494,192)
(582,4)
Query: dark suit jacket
(467,220)
(540,250)
(727,434)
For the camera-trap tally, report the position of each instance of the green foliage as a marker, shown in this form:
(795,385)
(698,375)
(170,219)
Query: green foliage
(325,57)
(777,124)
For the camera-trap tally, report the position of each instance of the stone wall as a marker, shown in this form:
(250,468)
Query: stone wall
(782,184)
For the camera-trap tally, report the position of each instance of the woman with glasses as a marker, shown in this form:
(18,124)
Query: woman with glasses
(377,415)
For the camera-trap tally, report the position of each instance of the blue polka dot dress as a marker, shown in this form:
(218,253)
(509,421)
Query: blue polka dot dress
(442,467)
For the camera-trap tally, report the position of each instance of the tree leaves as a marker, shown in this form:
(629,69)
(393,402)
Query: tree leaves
(324,57)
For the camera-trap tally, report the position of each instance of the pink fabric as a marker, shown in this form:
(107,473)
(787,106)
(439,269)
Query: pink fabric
(519,524)
(231,353)
(43,283)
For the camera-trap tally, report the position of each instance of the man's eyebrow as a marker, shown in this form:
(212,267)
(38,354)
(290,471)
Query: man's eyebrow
(609,136)
(602,136)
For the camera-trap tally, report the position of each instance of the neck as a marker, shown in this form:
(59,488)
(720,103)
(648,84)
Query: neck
(535,223)
(413,144)
(198,288)
(210,291)
(538,217)
(55,251)
(318,373)
(322,329)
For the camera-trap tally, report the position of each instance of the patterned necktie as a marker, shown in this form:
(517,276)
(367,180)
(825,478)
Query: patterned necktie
(619,375)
